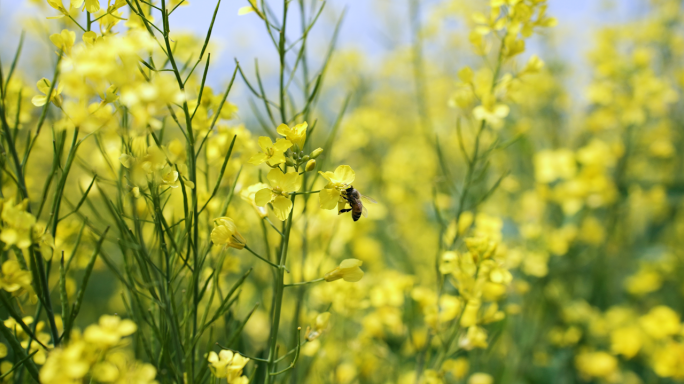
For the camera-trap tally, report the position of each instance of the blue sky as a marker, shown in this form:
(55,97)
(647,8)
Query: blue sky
(243,36)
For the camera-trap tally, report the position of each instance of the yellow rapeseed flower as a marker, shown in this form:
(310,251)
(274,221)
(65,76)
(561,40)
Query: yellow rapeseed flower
(296,135)
(282,184)
(227,364)
(14,278)
(273,154)
(44,86)
(480,378)
(109,331)
(225,233)
(320,325)
(491,111)
(252,7)
(18,225)
(338,181)
(248,194)
(66,365)
(596,364)
(64,40)
(59,6)
(348,270)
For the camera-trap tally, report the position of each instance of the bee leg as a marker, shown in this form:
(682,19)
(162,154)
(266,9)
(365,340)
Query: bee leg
(345,210)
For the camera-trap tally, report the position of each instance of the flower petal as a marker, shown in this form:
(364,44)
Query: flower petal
(329,198)
(291,182)
(263,197)
(344,174)
(479,113)
(93,5)
(220,235)
(300,128)
(258,158)
(265,143)
(501,110)
(277,158)
(353,276)
(245,10)
(328,175)
(351,263)
(39,101)
(57,40)
(283,129)
(43,85)
(282,207)
(275,178)
(282,145)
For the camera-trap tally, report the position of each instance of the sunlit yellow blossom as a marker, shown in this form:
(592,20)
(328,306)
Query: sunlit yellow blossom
(110,95)
(491,111)
(338,181)
(668,359)
(320,325)
(119,368)
(248,195)
(660,322)
(488,24)
(552,165)
(480,378)
(18,226)
(534,65)
(296,135)
(282,184)
(596,364)
(252,7)
(227,364)
(626,341)
(109,331)
(92,6)
(458,367)
(64,41)
(66,365)
(225,233)
(475,337)
(55,97)
(14,278)
(273,154)
(348,270)
(59,6)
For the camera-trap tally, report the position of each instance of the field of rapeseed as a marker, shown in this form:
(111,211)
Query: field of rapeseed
(159,227)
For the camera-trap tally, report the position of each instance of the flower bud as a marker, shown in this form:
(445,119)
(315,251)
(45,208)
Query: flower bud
(305,158)
(317,152)
(289,162)
(310,165)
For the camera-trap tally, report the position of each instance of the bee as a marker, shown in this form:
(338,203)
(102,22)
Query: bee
(353,198)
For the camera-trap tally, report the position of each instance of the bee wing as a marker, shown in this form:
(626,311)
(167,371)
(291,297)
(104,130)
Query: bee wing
(364,211)
(368,199)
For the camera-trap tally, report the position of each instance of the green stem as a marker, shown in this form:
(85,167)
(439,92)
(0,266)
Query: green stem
(278,299)
(305,193)
(265,260)
(305,282)
(281,53)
